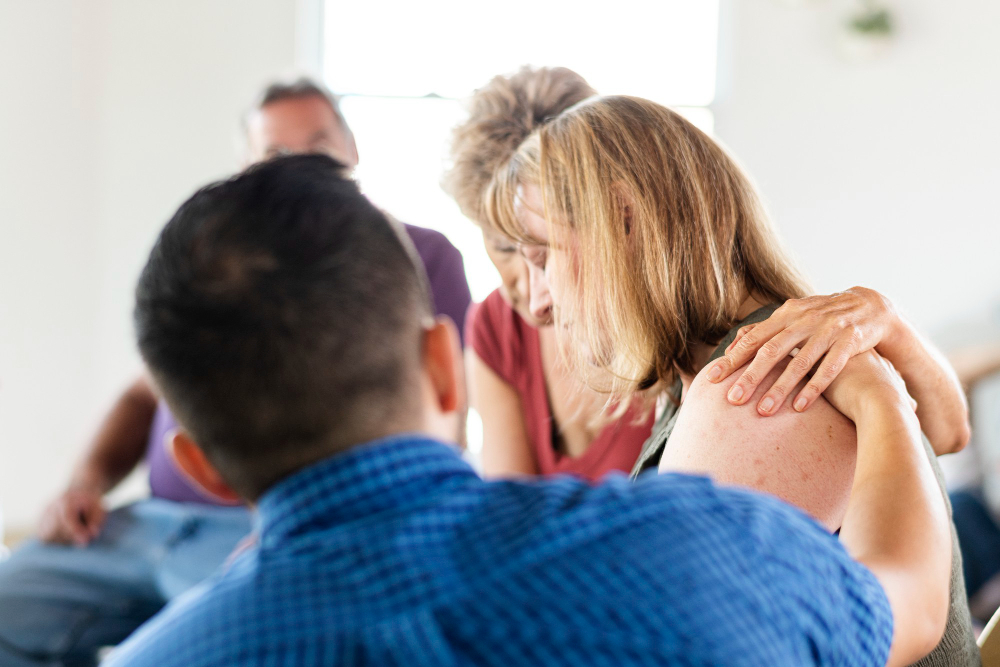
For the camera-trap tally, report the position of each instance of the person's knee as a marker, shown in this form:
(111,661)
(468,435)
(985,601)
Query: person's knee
(29,634)
(55,609)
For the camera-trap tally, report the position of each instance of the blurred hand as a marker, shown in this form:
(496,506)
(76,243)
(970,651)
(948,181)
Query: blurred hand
(75,517)
(825,330)
(865,380)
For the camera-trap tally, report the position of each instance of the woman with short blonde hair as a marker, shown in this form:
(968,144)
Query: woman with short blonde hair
(538,418)
(651,247)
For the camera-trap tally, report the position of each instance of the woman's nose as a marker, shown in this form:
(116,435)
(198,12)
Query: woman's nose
(539,298)
(522,283)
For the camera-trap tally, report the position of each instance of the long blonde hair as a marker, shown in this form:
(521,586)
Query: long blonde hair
(670,235)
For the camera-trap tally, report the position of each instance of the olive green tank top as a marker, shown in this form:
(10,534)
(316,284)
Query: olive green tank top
(958,646)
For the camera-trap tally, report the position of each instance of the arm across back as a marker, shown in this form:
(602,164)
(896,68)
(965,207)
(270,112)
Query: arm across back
(806,459)
(830,330)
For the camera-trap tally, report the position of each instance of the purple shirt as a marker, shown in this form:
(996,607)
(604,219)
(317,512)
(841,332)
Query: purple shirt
(446,274)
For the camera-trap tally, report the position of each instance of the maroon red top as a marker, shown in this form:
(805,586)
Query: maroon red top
(510,347)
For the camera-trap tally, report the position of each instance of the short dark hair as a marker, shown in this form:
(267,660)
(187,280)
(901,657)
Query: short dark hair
(297,89)
(281,315)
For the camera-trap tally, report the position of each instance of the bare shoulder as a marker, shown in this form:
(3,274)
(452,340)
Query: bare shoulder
(805,459)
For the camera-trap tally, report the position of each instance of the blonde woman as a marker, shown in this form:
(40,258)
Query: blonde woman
(651,246)
(538,419)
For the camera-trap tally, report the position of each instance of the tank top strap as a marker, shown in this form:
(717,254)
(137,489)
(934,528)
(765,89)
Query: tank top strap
(755,317)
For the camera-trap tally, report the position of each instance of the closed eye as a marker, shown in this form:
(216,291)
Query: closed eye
(504,248)
(535,255)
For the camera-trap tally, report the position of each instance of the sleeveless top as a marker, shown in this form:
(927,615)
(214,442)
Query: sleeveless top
(958,645)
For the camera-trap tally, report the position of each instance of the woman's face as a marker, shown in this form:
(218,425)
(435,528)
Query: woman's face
(552,269)
(513,271)
(537,257)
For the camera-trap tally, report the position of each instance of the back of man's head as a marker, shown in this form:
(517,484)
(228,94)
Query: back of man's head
(281,315)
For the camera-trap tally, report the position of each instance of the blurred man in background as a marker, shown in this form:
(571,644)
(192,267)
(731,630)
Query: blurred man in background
(92,576)
(303,117)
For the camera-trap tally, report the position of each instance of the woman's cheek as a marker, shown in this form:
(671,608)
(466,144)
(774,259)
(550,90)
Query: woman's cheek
(564,275)
(554,276)
(566,290)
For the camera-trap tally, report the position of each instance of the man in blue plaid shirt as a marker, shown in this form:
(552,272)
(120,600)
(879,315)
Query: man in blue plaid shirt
(288,326)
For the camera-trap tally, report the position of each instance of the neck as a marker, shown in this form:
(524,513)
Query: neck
(703,350)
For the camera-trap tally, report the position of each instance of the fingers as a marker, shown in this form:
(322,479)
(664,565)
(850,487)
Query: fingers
(81,519)
(832,364)
(768,356)
(50,528)
(93,515)
(830,328)
(739,335)
(74,524)
(744,348)
(798,368)
(76,517)
(750,338)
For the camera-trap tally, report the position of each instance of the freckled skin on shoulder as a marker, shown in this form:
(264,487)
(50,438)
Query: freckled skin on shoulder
(805,459)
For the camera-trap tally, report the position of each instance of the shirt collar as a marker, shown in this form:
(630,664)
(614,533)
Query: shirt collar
(379,475)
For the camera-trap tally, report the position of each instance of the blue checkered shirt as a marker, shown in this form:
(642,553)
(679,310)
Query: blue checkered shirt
(397,553)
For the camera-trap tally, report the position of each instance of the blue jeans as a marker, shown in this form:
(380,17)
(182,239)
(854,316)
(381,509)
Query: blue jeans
(978,536)
(60,604)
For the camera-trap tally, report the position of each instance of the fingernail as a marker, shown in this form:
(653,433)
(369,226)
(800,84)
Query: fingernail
(736,393)
(800,404)
(767,404)
(715,373)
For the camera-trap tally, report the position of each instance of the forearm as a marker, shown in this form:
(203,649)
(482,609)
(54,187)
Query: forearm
(120,441)
(941,404)
(897,526)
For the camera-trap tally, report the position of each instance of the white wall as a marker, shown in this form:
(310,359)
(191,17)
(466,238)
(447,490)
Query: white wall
(883,173)
(111,113)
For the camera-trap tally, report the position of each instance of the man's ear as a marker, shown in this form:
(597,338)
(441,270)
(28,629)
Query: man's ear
(193,463)
(443,365)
